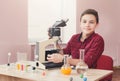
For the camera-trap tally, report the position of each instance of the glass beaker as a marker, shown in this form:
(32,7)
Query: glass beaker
(66,69)
(81,67)
(21,56)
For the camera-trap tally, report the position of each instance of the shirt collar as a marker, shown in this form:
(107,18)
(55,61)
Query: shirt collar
(86,38)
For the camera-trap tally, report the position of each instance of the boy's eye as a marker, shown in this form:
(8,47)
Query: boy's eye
(84,21)
(91,22)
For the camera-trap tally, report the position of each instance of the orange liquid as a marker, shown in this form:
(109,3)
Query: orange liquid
(18,66)
(66,70)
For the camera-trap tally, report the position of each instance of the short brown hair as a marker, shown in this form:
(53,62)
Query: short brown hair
(91,11)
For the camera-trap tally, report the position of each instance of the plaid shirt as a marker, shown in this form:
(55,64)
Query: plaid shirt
(93,45)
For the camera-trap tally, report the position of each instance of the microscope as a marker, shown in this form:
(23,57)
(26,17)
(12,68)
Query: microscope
(42,48)
(54,33)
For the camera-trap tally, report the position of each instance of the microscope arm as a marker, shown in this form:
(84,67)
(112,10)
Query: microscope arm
(43,45)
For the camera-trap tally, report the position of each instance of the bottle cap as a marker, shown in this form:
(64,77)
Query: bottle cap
(8,64)
(81,75)
(85,79)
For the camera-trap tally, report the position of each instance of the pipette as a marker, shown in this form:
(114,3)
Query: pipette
(9,54)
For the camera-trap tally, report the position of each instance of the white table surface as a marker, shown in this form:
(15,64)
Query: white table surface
(51,75)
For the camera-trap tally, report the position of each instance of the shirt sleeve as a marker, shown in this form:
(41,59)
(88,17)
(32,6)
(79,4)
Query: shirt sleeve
(94,52)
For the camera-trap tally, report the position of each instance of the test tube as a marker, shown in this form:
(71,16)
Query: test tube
(9,54)
(18,67)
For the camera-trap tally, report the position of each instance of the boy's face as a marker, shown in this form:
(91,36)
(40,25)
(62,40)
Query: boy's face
(88,23)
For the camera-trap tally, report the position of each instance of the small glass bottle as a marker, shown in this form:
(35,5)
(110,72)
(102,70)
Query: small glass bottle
(66,69)
(81,67)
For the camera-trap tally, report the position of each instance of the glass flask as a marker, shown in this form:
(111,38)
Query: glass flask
(66,69)
(81,67)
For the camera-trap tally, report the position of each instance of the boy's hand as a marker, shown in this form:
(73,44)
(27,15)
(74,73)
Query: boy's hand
(56,58)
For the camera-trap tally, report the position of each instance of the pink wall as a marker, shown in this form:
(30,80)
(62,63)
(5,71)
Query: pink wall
(13,28)
(109,12)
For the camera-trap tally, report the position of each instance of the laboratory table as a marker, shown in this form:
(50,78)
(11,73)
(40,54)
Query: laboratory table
(9,73)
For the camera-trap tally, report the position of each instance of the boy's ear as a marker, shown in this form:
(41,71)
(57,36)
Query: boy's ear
(97,25)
